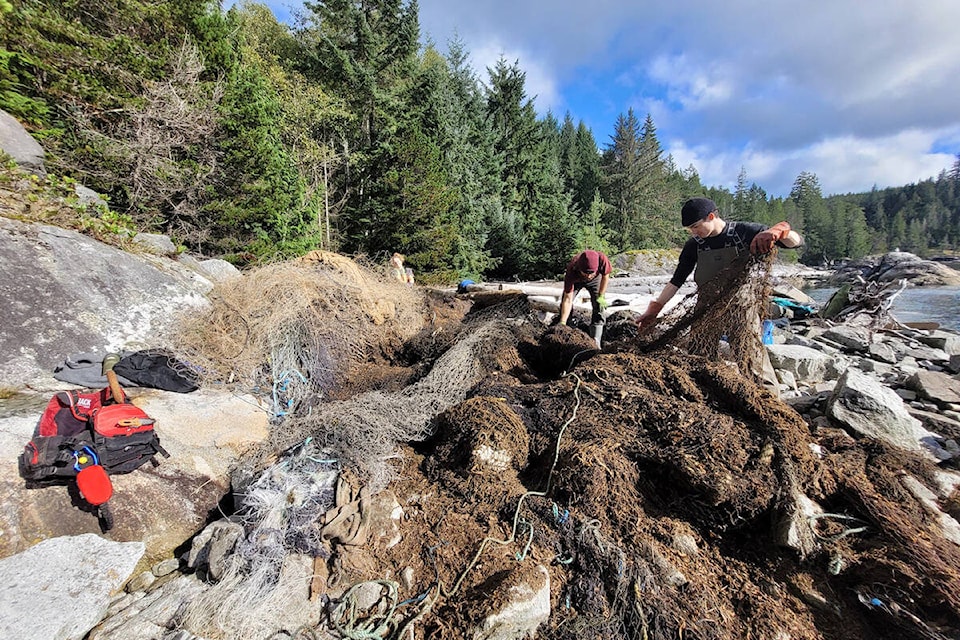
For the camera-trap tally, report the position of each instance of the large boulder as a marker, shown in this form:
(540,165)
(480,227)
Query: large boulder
(60,588)
(894,266)
(205,433)
(807,365)
(67,293)
(20,145)
(866,407)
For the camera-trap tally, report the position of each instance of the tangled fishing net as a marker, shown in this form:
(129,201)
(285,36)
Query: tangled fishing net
(721,319)
(665,494)
(282,509)
(295,331)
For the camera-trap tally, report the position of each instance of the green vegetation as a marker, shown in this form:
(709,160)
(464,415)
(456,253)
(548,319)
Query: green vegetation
(53,200)
(247,139)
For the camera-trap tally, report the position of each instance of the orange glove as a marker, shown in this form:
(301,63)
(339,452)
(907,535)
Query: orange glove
(648,317)
(763,242)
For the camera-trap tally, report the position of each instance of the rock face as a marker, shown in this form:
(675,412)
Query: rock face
(87,569)
(866,407)
(66,293)
(19,145)
(894,266)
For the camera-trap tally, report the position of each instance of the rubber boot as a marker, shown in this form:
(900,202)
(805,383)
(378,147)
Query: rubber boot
(596,332)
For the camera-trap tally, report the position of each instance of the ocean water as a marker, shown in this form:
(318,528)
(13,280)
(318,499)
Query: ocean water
(916,304)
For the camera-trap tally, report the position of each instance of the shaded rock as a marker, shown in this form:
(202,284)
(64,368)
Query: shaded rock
(942,424)
(853,338)
(942,340)
(954,364)
(894,266)
(946,526)
(928,353)
(865,406)
(20,145)
(89,197)
(215,269)
(793,528)
(156,243)
(882,352)
(150,617)
(211,548)
(35,581)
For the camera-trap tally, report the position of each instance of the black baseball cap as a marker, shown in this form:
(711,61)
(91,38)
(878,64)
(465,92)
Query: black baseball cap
(696,209)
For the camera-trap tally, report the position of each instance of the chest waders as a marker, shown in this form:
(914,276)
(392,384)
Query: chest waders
(596,319)
(710,262)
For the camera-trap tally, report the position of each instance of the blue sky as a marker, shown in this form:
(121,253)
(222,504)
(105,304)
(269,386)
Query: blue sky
(859,93)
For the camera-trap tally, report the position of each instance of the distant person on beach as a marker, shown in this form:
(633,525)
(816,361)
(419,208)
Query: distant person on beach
(398,272)
(591,271)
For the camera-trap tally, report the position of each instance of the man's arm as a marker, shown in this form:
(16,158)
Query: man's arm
(648,317)
(779,233)
(566,305)
(604,280)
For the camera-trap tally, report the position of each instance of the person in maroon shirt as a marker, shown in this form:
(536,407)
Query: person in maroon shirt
(591,271)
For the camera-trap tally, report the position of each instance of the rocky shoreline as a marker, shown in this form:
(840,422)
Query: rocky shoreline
(867,376)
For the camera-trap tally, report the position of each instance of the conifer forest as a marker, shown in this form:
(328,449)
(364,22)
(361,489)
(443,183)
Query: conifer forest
(252,140)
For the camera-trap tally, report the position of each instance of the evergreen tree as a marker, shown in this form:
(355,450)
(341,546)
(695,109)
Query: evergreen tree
(595,235)
(364,52)
(740,196)
(658,202)
(471,165)
(898,231)
(812,216)
(535,231)
(622,169)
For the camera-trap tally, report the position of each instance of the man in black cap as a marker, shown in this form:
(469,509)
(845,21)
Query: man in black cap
(715,244)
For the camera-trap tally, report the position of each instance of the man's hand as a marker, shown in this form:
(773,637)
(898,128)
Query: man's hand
(602,302)
(648,317)
(763,242)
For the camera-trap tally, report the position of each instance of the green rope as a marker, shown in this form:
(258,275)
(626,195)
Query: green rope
(516,514)
(522,555)
(376,625)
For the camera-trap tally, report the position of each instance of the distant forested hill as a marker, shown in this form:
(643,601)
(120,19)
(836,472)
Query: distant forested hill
(251,140)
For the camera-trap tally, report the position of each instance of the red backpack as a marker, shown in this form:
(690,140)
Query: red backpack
(121,436)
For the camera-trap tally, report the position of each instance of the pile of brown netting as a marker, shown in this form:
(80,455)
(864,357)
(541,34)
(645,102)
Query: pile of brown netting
(661,489)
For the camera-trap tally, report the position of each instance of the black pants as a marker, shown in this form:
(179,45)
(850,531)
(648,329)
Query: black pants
(593,286)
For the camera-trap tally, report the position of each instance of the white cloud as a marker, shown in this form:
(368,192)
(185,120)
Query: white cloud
(693,86)
(856,92)
(843,164)
(848,162)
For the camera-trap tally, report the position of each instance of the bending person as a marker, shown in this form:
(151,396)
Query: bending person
(591,271)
